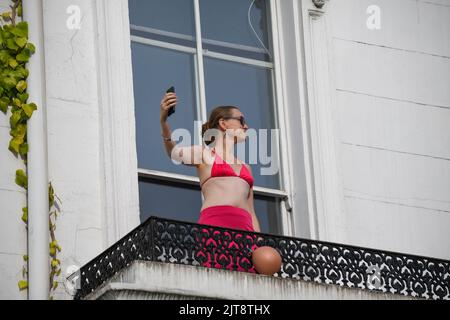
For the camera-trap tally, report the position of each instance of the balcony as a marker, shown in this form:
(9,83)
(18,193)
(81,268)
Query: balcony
(164,258)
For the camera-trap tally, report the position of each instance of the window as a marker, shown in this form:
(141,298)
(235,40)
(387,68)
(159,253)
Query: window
(230,65)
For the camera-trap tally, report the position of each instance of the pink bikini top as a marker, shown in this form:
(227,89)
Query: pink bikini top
(223,169)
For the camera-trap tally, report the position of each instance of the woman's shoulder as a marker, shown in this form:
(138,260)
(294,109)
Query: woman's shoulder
(207,155)
(191,155)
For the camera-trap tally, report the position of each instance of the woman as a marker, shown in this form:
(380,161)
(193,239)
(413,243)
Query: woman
(226,182)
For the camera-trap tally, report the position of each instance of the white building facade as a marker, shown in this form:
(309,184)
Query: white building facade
(359,91)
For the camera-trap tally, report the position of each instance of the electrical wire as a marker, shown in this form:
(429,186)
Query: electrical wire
(251,26)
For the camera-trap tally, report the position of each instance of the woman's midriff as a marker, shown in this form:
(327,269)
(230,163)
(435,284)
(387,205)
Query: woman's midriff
(232,191)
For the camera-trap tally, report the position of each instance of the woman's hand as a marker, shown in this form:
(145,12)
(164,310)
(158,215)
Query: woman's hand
(169,100)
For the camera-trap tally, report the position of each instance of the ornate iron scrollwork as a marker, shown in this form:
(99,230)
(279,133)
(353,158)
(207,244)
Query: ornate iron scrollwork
(172,241)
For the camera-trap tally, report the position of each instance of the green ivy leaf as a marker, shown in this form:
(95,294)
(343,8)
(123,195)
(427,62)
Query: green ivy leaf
(17,102)
(19,10)
(15,118)
(8,28)
(25,217)
(20,41)
(4,103)
(19,131)
(11,44)
(21,29)
(23,149)
(25,257)
(24,55)
(55,263)
(13,63)
(53,244)
(31,47)
(4,56)
(6,16)
(21,86)
(51,196)
(8,82)
(23,96)
(23,285)
(19,73)
(21,179)
(28,108)
(14,144)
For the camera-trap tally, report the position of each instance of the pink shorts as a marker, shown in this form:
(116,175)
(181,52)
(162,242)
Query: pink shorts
(227,217)
(221,242)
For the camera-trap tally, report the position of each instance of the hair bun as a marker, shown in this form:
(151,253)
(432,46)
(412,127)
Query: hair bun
(205,127)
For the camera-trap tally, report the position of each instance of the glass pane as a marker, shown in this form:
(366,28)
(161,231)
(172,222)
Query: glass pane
(268,213)
(226,27)
(154,71)
(250,89)
(169,200)
(163,20)
(173,201)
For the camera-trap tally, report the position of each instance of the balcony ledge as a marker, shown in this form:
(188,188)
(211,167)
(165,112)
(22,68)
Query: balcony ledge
(149,280)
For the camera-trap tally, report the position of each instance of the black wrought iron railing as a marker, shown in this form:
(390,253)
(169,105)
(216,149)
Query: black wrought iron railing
(171,241)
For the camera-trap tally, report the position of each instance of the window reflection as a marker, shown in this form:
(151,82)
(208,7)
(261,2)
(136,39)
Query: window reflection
(169,200)
(183,202)
(269,214)
(165,20)
(227,27)
(154,71)
(250,89)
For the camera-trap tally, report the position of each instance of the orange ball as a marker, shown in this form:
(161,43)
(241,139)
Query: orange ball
(266,260)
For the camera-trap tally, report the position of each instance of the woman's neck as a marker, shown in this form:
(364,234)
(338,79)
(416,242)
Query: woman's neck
(225,148)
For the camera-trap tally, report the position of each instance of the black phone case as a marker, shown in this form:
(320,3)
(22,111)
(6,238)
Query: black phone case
(171,109)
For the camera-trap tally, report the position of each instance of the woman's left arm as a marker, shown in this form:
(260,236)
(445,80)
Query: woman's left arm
(256,225)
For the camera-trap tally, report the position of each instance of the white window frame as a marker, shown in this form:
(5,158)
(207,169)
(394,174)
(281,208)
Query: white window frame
(282,195)
(315,180)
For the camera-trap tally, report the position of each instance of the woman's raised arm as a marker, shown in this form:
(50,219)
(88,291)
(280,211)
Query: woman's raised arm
(188,155)
(170,99)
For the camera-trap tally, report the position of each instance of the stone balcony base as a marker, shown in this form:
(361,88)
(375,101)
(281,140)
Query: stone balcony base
(148,280)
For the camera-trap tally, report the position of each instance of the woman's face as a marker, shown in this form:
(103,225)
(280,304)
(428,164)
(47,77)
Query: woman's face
(236,126)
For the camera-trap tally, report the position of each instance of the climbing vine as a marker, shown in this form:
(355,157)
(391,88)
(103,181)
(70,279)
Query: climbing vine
(15,51)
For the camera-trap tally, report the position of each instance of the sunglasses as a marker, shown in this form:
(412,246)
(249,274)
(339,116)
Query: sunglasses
(241,119)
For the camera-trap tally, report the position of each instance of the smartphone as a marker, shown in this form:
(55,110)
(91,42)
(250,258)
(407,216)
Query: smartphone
(171,109)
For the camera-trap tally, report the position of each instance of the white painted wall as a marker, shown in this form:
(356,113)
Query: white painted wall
(393,101)
(88,74)
(13,236)
(73,131)
(73,146)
